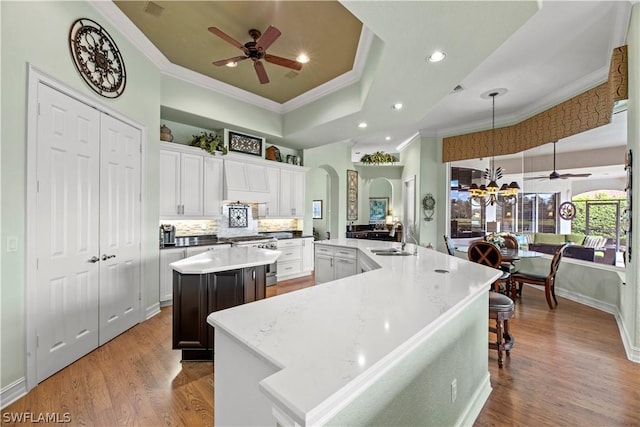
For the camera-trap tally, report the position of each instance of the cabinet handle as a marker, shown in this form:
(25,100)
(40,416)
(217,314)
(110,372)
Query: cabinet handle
(182,209)
(253,275)
(331,262)
(178,209)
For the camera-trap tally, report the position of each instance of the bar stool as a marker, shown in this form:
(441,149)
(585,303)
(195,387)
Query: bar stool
(501,309)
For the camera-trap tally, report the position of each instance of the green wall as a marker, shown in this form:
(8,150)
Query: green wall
(45,45)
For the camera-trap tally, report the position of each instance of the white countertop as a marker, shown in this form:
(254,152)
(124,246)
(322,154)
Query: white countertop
(332,339)
(225,258)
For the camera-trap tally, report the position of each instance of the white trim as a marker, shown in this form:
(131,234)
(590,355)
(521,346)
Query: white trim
(35,76)
(588,301)
(154,309)
(478,399)
(633,353)
(13,392)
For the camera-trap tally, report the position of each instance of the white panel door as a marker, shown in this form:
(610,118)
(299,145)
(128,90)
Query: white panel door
(68,149)
(191,185)
(120,202)
(169,184)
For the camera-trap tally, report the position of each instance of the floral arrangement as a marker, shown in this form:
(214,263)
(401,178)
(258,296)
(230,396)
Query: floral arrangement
(378,157)
(496,239)
(209,142)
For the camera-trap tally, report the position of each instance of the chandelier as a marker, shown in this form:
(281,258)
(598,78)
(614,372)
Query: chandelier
(490,194)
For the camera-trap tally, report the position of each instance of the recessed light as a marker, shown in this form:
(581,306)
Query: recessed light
(388,138)
(302,58)
(362,125)
(436,56)
(231,64)
(397,106)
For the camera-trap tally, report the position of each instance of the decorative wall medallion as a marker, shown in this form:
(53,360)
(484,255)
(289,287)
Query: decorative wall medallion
(245,144)
(97,58)
(238,217)
(428,206)
(352,195)
(567,211)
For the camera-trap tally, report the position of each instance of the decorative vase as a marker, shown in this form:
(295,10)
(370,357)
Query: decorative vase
(165,134)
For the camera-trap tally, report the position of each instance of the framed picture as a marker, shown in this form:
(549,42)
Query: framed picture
(316,209)
(352,195)
(378,208)
(245,143)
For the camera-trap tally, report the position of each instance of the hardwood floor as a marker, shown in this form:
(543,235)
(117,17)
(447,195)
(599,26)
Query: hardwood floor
(568,367)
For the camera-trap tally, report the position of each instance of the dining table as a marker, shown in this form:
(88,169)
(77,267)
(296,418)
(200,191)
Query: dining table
(508,254)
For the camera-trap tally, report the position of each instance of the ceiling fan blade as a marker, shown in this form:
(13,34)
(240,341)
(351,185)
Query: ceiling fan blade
(575,175)
(268,37)
(226,37)
(228,60)
(261,72)
(284,62)
(531,178)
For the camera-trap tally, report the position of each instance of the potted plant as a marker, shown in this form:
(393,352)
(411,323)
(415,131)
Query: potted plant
(209,142)
(378,158)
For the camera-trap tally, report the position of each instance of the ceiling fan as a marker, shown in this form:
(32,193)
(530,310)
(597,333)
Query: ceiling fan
(256,50)
(555,174)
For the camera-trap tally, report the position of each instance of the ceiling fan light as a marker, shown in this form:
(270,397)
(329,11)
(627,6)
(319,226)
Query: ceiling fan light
(302,58)
(362,125)
(231,64)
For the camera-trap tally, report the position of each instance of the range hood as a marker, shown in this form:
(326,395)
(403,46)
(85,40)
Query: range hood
(246,181)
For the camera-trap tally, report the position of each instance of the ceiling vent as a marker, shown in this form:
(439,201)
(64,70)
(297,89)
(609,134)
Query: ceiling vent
(457,89)
(153,9)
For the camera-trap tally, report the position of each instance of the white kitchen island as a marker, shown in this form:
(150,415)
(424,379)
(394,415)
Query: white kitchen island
(404,344)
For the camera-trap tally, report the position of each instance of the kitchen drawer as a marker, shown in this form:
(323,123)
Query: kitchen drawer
(289,253)
(286,268)
(324,250)
(350,253)
(287,243)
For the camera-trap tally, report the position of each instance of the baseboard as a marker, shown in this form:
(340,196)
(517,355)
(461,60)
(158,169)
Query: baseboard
(588,301)
(479,398)
(633,353)
(13,392)
(152,310)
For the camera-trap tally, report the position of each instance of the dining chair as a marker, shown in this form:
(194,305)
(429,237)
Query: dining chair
(501,307)
(510,242)
(451,249)
(548,281)
(488,254)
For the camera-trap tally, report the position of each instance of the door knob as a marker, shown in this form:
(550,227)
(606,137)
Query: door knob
(106,257)
(94,259)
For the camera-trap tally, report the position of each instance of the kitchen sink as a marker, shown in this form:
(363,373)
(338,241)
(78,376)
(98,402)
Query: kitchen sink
(390,252)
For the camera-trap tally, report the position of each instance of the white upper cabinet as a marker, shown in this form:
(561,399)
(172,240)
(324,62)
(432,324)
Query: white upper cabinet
(190,182)
(292,193)
(213,176)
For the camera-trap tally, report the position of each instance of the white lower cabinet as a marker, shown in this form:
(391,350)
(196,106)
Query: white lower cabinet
(334,262)
(294,258)
(167,256)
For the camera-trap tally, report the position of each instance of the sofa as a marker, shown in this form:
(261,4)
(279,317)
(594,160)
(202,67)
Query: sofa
(588,248)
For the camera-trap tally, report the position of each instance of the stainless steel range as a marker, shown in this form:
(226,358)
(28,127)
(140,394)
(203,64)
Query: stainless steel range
(258,241)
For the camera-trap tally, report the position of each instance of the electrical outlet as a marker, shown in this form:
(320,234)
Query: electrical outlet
(454,390)
(12,244)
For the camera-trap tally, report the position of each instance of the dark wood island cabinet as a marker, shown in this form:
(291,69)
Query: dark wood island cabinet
(195,296)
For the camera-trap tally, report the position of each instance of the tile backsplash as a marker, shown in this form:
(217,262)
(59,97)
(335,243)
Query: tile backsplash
(216,225)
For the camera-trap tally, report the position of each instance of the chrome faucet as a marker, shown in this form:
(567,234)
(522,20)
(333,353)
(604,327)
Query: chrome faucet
(403,238)
(392,233)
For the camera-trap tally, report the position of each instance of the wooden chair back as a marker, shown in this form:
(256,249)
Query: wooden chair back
(451,249)
(485,253)
(555,261)
(510,242)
